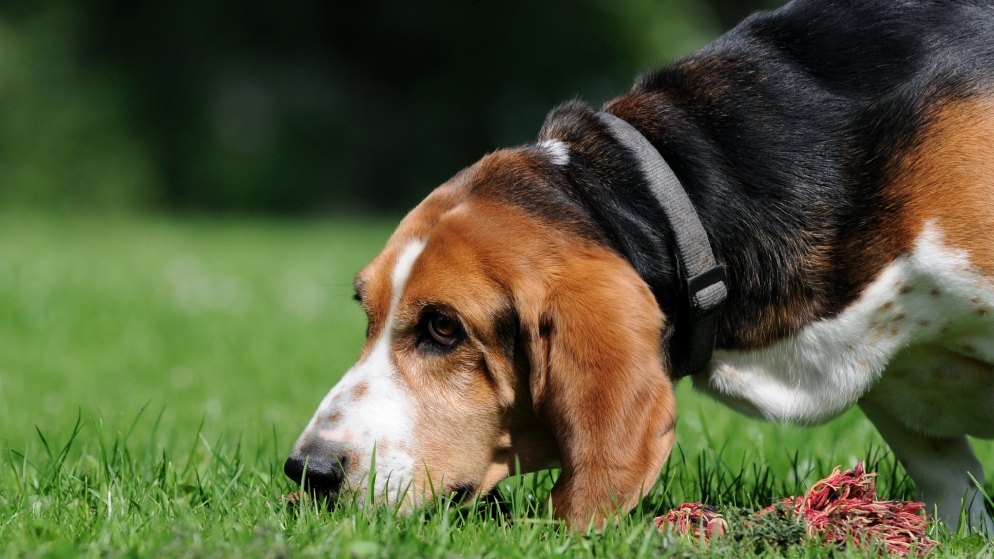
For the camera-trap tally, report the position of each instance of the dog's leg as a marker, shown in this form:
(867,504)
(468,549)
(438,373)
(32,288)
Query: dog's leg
(941,469)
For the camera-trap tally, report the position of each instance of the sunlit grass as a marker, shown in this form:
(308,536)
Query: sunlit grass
(154,373)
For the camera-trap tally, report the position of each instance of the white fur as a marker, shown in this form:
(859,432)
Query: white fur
(917,348)
(829,365)
(384,416)
(557,150)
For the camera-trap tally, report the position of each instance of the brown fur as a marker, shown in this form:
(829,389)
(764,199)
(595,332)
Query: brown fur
(948,177)
(598,379)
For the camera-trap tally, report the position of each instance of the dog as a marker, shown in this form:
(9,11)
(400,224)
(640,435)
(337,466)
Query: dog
(836,158)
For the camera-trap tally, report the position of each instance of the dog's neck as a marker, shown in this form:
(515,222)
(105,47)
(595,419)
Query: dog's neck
(702,279)
(747,237)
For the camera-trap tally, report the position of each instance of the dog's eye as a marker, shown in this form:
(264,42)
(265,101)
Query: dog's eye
(443,329)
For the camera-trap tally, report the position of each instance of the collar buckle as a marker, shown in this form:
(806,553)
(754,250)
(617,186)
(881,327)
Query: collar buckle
(704,304)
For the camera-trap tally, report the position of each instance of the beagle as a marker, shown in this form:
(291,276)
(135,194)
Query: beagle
(532,311)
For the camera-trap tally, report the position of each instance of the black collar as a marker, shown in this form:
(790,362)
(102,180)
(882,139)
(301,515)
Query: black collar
(703,278)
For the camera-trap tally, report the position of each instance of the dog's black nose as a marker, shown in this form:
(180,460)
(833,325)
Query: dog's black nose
(324,473)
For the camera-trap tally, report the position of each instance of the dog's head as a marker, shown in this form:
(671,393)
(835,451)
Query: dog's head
(502,330)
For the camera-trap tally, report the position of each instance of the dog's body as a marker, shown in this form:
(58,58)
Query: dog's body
(840,156)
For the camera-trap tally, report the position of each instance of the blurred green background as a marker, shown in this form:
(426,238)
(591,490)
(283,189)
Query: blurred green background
(307,107)
(187,188)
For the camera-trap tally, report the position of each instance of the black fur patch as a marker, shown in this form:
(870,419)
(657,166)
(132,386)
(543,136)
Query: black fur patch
(507,331)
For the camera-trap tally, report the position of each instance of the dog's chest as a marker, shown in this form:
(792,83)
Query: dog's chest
(919,342)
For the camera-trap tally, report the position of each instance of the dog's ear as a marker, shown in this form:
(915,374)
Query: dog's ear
(597,377)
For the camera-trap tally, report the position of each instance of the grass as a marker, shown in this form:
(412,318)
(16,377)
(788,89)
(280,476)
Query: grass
(154,373)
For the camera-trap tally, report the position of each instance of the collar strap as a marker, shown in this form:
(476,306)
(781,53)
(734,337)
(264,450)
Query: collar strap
(704,279)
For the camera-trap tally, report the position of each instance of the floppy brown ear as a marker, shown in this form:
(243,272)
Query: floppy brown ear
(597,378)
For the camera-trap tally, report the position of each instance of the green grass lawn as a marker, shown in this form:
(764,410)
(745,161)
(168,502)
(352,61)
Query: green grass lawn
(192,352)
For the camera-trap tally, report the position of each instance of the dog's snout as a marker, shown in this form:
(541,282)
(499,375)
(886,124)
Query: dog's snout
(324,472)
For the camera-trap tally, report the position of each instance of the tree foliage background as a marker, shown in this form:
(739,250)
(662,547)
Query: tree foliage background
(308,106)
